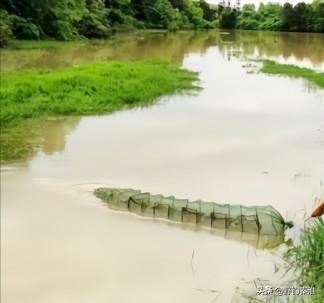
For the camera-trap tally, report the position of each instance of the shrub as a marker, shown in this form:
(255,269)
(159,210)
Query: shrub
(5,30)
(116,16)
(90,26)
(64,30)
(5,33)
(23,28)
(228,18)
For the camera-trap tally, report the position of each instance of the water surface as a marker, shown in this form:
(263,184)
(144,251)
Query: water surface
(245,138)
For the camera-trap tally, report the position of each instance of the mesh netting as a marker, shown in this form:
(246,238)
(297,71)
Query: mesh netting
(263,220)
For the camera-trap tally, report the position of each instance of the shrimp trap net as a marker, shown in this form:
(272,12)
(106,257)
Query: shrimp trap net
(264,220)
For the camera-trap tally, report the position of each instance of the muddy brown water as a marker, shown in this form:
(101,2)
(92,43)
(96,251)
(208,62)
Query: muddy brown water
(244,138)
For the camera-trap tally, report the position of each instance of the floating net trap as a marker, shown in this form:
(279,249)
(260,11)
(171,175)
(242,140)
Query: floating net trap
(262,220)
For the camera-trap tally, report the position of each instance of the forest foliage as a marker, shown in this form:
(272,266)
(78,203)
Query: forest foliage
(75,19)
(299,18)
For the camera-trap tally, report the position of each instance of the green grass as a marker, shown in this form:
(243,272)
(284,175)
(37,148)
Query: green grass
(308,259)
(92,88)
(271,67)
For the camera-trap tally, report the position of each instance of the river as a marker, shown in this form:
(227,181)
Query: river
(245,138)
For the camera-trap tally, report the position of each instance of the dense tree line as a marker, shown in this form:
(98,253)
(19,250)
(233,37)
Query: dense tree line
(274,17)
(73,19)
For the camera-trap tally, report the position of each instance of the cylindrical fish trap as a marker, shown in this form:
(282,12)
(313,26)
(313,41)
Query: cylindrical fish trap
(263,220)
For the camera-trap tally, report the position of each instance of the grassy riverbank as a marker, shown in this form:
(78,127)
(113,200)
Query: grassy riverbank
(271,67)
(308,260)
(93,88)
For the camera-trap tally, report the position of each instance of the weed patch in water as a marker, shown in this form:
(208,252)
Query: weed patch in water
(271,67)
(93,88)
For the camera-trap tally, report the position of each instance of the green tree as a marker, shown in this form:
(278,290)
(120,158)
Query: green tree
(288,18)
(5,28)
(179,4)
(248,18)
(162,13)
(228,18)
(269,17)
(318,17)
(303,13)
(195,15)
(208,12)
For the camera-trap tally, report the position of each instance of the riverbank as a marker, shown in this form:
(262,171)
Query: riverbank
(89,89)
(271,67)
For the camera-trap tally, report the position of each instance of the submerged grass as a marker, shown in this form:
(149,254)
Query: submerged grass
(36,44)
(271,67)
(19,139)
(92,88)
(308,259)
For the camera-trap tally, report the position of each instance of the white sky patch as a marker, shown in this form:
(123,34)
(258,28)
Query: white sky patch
(257,2)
